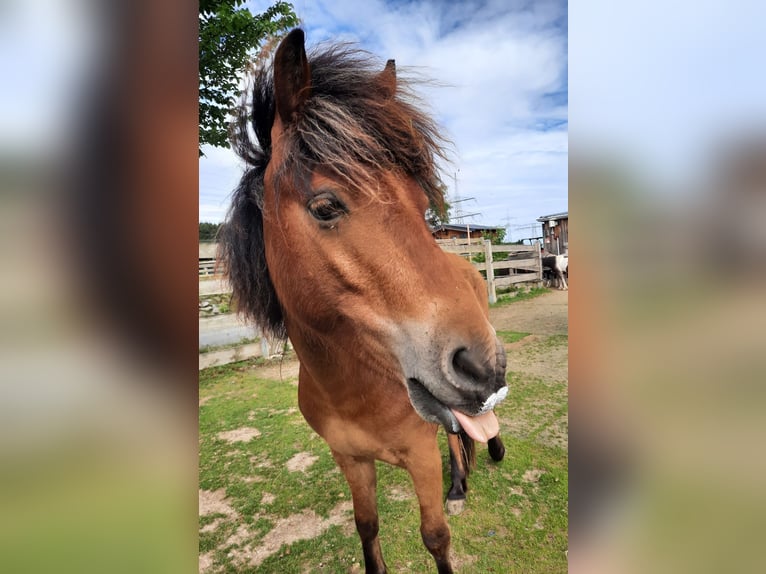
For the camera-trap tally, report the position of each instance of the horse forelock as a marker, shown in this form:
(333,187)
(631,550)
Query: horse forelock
(352,128)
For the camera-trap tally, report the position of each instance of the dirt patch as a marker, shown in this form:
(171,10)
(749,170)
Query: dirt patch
(399,494)
(301,462)
(244,434)
(557,433)
(302,526)
(280,370)
(205,562)
(261,461)
(267,499)
(461,561)
(543,315)
(541,356)
(532,475)
(214,502)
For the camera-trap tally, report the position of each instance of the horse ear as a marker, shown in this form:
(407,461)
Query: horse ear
(292,76)
(387,79)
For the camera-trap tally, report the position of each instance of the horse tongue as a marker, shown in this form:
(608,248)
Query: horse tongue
(480,428)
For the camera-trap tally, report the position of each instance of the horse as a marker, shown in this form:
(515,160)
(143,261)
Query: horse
(326,243)
(559,265)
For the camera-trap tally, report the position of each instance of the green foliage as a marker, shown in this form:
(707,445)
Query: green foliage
(519,296)
(208,231)
(511,336)
(497,237)
(436,214)
(228,38)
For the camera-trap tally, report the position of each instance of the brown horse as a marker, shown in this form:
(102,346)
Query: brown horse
(326,242)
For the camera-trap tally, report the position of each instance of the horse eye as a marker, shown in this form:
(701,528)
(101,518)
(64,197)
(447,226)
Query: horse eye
(326,208)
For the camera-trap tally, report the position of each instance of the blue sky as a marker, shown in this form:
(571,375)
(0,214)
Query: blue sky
(501,69)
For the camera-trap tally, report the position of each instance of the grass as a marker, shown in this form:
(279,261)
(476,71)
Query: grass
(519,295)
(514,521)
(210,348)
(511,336)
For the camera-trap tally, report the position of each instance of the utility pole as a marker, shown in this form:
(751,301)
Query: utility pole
(457,200)
(507,222)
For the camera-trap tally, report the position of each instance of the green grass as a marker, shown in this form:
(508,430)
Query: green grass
(511,336)
(521,295)
(210,348)
(511,523)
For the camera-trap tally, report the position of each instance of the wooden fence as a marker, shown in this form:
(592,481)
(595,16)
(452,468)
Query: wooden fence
(503,266)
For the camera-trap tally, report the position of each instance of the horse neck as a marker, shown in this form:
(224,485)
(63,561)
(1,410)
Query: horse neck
(337,357)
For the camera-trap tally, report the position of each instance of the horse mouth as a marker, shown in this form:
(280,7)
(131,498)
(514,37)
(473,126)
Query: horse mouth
(481,425)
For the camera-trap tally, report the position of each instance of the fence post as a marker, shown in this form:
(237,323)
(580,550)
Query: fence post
(539,267)
(490,272)
(265,347)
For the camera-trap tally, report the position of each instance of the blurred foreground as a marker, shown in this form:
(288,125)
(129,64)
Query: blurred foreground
(98,292)
(667,271)
(667,371)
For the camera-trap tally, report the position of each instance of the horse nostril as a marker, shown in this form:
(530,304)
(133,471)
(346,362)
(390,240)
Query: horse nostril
(469,366)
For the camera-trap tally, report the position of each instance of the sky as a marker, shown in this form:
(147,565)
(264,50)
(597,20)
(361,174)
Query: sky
(500,94)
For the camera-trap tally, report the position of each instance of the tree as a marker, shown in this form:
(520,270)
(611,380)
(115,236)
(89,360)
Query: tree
(208,231)
(228,38)
(497,238)
(438,215)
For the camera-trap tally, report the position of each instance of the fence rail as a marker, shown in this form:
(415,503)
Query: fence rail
(503,266)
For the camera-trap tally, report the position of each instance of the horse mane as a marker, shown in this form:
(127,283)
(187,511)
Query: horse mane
(351,127)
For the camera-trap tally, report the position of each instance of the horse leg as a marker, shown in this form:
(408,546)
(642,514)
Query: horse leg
(361,477)
(425,469)
(496,448)
(456,494)
(462,457)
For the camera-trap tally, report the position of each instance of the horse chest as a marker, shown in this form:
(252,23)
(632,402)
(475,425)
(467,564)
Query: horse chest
(356,417)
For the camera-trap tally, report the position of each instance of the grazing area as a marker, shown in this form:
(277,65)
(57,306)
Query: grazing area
(272,498)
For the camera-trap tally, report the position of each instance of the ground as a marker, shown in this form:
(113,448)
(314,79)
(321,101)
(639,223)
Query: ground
(537,361)
(544,315)
(259,509)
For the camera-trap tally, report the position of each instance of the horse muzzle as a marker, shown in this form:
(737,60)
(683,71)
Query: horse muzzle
(458,389)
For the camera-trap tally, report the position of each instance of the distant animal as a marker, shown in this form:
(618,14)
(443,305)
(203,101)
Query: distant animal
(394,341)
(558,266)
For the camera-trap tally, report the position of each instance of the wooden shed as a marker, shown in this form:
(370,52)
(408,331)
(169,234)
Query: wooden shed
(555,232)
(462,231)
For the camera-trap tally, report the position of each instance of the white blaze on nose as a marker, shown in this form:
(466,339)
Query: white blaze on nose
(493,399)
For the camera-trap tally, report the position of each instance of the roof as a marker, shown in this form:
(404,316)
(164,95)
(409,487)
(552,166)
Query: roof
(554,217)
(462,226)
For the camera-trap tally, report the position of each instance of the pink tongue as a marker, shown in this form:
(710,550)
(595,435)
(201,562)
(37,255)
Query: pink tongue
(481,428)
